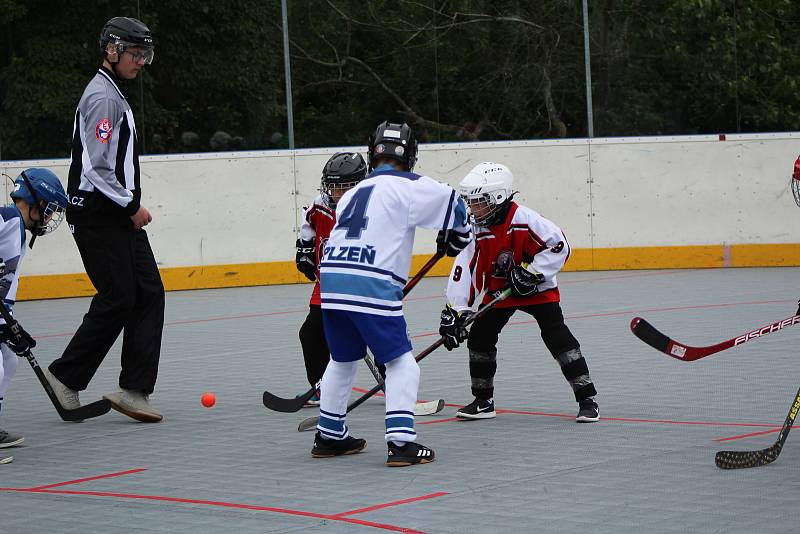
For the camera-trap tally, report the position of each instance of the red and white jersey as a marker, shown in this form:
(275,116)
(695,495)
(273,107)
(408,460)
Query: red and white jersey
(318,221)
(523,237)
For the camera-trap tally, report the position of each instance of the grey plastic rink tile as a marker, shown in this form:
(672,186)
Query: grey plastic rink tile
(646,467)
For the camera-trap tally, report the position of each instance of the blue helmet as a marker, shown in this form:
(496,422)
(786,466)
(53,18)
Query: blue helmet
(41,189)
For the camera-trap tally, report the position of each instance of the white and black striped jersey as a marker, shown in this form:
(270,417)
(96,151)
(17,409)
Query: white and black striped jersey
(103,186)
(12,250)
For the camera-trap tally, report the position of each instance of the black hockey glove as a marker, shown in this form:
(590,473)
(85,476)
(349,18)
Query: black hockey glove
(306,258)
(524,282)
(16,338)
(450,242)
(451,327)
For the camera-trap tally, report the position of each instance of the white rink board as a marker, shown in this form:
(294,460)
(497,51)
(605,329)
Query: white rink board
(702,192)
(244,207)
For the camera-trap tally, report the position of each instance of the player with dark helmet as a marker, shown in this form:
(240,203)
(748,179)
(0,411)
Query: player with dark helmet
(341,172)
(393,141)
(363,269)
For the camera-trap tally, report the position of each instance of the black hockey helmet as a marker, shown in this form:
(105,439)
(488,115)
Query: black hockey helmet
(392,140)
(125,32)
(342,171)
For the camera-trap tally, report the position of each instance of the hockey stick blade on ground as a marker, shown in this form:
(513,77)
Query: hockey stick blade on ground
(429,408)
(653,337)
(745,459)
(311,422)
(86,411)
(280,404)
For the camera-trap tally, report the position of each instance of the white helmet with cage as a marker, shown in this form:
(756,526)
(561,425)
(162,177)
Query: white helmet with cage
(486,189)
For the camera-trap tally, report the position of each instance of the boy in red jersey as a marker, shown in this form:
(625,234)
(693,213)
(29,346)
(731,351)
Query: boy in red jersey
(514,247)
(342,171)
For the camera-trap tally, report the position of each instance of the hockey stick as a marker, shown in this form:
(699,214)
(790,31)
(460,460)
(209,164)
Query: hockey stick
(86,411)
(744,459)
(650,335)
(279,404)
(311,422)
(420,408)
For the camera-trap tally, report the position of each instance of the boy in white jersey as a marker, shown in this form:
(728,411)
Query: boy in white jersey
(364,267)
(514,247)
(39,204)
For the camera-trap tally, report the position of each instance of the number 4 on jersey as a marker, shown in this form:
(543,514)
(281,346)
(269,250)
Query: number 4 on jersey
(353,217)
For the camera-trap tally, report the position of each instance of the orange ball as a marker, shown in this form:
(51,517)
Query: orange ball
(208,399)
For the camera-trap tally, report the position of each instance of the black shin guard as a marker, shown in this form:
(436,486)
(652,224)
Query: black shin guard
(482,368)
(573,366)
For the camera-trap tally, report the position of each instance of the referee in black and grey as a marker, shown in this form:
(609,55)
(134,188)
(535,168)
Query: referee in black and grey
(107,222)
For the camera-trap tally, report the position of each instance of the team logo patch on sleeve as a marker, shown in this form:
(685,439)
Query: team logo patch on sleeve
(103,130)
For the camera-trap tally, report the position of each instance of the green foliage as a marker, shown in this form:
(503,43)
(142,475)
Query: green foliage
(457,70)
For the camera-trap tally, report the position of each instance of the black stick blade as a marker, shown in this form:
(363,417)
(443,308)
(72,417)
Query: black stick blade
(745,459)
(279,404)
(649,334)
(87,411)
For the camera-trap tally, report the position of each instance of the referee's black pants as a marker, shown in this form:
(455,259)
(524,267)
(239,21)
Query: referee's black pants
(130,297)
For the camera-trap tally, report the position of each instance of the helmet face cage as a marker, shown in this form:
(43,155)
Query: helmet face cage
(796,189)
(332,191)
(482,207)
(50,212)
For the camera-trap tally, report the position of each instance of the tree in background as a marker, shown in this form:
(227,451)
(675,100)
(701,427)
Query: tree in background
(456,70)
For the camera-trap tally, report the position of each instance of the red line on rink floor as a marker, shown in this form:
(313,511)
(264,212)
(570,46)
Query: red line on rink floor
(342,517)
(741,436)
(87,479)
(619,419)
(195,321)
(394,503)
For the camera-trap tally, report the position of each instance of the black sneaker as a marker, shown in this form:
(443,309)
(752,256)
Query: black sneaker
(409,454)
(588,412)
(478,409)
(328,448)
